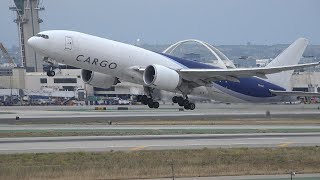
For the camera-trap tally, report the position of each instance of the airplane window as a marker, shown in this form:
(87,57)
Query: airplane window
(43,36)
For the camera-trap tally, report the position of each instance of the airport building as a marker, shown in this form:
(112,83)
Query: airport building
(67,84)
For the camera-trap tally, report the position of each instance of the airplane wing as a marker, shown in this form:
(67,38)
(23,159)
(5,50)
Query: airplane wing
(235,74)
(295,93)
(205,76)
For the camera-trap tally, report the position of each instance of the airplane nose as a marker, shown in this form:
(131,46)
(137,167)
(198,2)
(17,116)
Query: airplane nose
(32,42)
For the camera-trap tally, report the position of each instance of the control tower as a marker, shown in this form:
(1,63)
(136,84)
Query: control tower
(28,22)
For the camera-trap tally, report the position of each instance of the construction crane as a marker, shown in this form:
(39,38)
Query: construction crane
(7,56)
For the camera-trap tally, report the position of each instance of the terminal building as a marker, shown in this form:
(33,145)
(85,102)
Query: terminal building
(66,84)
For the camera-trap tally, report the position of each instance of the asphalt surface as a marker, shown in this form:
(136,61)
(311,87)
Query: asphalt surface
(56,114)
(75,114)
(39,127)
(159,142)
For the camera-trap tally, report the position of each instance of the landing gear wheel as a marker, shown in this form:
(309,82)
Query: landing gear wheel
(156,105)
(144,100)
(175,99)
(139,98)
(150,105)
(51,73)
(180,101)
(185,102)
(192,106)
(150,101)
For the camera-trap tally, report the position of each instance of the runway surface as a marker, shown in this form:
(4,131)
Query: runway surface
(39,127)
(159,142)
(39,116)
(75,114)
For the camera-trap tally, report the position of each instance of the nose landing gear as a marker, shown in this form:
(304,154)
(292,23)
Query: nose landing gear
(52,65)
(51,73)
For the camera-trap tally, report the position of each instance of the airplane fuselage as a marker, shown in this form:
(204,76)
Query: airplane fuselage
(119,59)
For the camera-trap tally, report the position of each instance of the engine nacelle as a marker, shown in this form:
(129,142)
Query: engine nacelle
(161,77)
(97,79)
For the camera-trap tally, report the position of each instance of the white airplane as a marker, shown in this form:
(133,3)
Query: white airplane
(105,62)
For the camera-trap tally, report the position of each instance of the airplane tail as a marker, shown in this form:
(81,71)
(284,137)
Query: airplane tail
(289,56)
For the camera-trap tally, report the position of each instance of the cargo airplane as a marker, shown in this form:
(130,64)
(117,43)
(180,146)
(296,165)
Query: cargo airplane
(105,63)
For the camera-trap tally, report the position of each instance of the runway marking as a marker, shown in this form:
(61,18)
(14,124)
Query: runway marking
(285,144)
(138,148)
(182,145)
(68,148)
(245,144)
(266,138)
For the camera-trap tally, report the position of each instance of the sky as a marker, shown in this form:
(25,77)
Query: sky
(220,22)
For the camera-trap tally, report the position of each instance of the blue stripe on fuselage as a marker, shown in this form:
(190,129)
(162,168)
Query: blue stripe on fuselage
(250,86)
(190,64)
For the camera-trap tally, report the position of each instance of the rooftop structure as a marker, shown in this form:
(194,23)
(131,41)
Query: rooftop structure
(217,57)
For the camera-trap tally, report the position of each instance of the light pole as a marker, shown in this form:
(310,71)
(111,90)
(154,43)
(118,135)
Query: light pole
(292,174)
(172,168)
(11,89)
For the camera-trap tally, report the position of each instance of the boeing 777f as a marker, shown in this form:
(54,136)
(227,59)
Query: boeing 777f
(106,63)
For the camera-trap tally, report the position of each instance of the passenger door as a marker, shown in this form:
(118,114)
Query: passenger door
(69,43)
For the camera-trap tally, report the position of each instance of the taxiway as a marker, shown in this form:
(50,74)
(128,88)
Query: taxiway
(159,142)
(87,114)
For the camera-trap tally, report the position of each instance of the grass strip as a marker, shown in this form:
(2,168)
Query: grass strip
(295,178)
(156,164)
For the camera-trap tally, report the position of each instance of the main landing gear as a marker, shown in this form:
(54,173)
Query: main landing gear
(148,100)
(144,99)
(184,102)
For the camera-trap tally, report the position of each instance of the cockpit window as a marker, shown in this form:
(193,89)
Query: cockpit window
(43,36)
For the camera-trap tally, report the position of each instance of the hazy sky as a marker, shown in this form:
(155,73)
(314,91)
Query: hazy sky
(166,21)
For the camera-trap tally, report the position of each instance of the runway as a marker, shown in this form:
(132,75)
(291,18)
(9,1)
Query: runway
(159,142)
(210,135)
(81,114)
(45,127)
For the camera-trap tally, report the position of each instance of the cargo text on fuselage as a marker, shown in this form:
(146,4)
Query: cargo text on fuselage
(96,62)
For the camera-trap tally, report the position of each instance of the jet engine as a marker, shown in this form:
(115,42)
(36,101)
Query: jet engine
(161,77)
(97,79)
